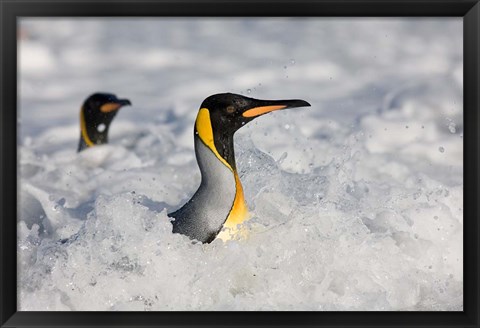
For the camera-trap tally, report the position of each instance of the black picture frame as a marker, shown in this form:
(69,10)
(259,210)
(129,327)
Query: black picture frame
(11,10)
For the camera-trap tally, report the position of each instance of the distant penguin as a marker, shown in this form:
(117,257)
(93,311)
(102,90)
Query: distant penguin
(219,203)
(96,114)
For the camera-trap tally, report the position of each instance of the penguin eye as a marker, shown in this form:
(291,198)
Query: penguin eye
(230,109)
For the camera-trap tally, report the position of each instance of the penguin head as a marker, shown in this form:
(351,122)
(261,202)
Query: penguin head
(101,108)
(229,111)
(96,114)
(221,115)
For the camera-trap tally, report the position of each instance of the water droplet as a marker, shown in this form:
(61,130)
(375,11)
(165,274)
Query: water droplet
(435,217)
(282,158)
(441,149)
(406,126)
(285,67)
(249,90)
(292,61)
(287,126)
(452,127)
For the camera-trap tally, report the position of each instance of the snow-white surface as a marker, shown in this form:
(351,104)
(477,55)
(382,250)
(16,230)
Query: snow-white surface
(356,202)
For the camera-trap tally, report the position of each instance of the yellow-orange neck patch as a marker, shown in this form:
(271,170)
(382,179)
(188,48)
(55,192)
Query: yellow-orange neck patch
(232,227)
(83,129)
(205,132)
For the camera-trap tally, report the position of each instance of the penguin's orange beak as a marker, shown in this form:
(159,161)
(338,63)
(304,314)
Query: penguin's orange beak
(112,106)
(267,106)
(257,111)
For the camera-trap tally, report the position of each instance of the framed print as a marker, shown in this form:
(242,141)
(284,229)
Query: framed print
(221,163)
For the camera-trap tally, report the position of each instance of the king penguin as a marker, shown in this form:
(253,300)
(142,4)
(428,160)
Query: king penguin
(96,114)
(219,202)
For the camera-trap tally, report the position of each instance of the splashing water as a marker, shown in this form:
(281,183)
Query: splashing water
(349,209)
